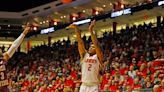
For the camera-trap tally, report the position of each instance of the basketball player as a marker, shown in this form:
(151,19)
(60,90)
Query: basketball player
(91,60)
(4,57)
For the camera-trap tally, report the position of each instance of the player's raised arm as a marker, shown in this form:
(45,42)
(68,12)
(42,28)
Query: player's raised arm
(95,42)
(7,55)
(81,46)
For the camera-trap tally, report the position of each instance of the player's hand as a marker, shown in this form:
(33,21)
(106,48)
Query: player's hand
(92,25)
(27,28)
(73,26)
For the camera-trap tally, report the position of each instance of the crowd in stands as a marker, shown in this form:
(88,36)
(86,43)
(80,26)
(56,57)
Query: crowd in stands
(136,56)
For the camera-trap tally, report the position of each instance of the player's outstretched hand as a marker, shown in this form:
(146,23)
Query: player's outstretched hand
(27,28)
(72,26)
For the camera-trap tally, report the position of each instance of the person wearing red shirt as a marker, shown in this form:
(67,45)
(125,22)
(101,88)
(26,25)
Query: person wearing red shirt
(142,71)
(57,80)
(128,80)
(69,82)
(73,73)
(161,88)
(112,71)
(108,85)
(150,67)
(23,89)
(128,88)
(114,86)
(26,83)
(49,89)
(123,69)
(136,84)
(59,86)
(105,81)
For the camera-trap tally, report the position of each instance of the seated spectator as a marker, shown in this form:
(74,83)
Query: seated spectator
(136,84)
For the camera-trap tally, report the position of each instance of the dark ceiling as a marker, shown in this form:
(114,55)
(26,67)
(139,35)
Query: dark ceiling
(21,5)
(7,30)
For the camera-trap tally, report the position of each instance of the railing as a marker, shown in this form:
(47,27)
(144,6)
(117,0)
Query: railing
(141,90)
(144,90)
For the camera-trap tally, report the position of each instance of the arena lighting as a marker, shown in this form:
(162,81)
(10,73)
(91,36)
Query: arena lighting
(74,18)
(82,22)
(109,14)
(96,12)
(122,6)
(160,3)
(47,30)
(55,23)
(35,28)
(121,12)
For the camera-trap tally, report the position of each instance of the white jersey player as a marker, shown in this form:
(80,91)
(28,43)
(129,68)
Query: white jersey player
(91,61)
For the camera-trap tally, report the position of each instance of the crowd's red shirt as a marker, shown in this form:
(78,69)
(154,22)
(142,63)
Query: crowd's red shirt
(104,82)
(26,83)
(113,88)
(57,82)
(137,86)
(113,72)
(129,81)
(160,89)
(123,70)
(69,83)
(73,74)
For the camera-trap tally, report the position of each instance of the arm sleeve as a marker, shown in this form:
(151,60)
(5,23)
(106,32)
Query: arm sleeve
(15,45)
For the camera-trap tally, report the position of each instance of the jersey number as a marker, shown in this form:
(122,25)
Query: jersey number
(89,67)
(2,75)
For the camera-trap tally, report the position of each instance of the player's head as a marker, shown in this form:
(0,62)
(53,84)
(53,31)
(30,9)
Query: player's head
(92,49)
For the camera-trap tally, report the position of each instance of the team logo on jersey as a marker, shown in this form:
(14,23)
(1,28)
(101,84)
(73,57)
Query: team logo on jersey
(3,83)
(91,61)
